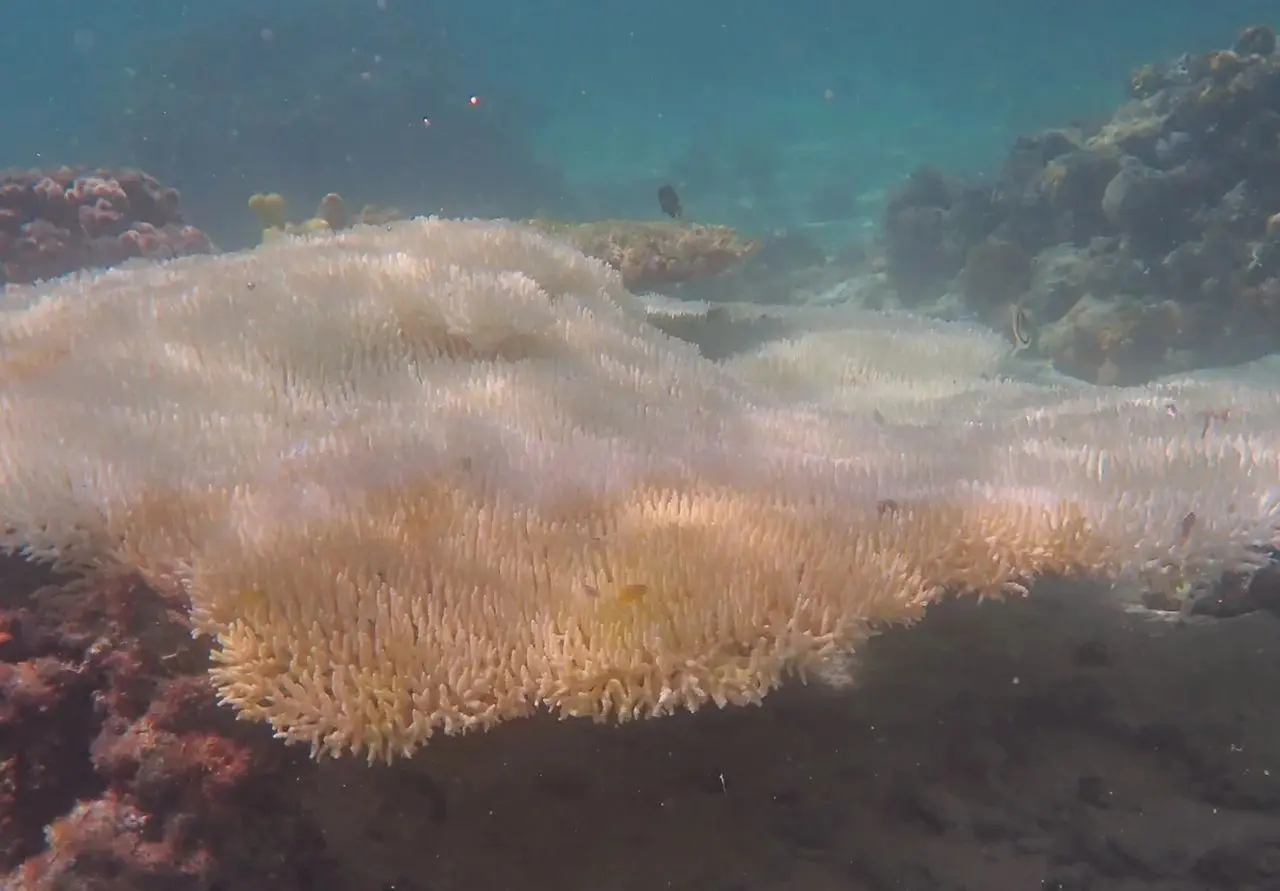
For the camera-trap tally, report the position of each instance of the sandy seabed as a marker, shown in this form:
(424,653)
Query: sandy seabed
(1059,742)
(1055,743)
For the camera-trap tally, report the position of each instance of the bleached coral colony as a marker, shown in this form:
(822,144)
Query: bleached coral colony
(428,477)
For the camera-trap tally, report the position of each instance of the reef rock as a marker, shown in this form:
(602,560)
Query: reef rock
(1171,201)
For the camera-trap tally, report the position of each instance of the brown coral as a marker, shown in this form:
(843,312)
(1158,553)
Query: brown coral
(1256,40)
(271,209)
(1116,342)
(1224,64)
(333,210)
(1145,82)
(651,255)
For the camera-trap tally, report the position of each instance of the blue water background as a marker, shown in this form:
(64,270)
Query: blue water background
(765,114)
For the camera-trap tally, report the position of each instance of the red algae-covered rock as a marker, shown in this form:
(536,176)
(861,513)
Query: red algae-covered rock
(118,770)
(53,222)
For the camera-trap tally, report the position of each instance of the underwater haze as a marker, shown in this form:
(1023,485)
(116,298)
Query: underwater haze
(768,115)
(426,426)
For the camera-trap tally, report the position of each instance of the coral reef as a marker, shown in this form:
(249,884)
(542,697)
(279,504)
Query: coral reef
(651,255)
(1150,241)
(1152,229)
(118,770)
(57,221)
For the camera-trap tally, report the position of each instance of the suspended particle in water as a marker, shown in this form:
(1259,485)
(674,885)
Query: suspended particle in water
(473,101)
(268,36)
(84,40)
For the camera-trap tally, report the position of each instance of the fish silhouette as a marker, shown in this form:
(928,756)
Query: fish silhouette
(1021,328)
(669,201)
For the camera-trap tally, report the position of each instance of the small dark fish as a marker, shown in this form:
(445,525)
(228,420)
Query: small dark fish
(1184,528)
(1222,414)
(1021,328)
(669,201)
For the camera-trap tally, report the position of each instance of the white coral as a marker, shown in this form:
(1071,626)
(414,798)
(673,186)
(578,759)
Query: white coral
(439,475)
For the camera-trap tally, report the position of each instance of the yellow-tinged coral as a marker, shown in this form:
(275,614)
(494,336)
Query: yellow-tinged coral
(1224,64)
(1145,82)
(271,208)
(331,216)
(430,477)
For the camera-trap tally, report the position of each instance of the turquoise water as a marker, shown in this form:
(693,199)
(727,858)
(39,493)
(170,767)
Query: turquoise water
(765,115)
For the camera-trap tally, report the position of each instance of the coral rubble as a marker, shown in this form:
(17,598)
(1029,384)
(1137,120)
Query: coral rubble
(1155,227)
(57,221)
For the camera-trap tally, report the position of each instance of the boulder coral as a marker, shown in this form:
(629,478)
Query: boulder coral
(1170,198)
(57,221)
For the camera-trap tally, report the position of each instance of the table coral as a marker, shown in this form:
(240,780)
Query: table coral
(434,476)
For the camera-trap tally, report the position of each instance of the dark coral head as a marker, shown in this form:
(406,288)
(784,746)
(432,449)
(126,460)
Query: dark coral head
(1256,40)
(1145,81)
